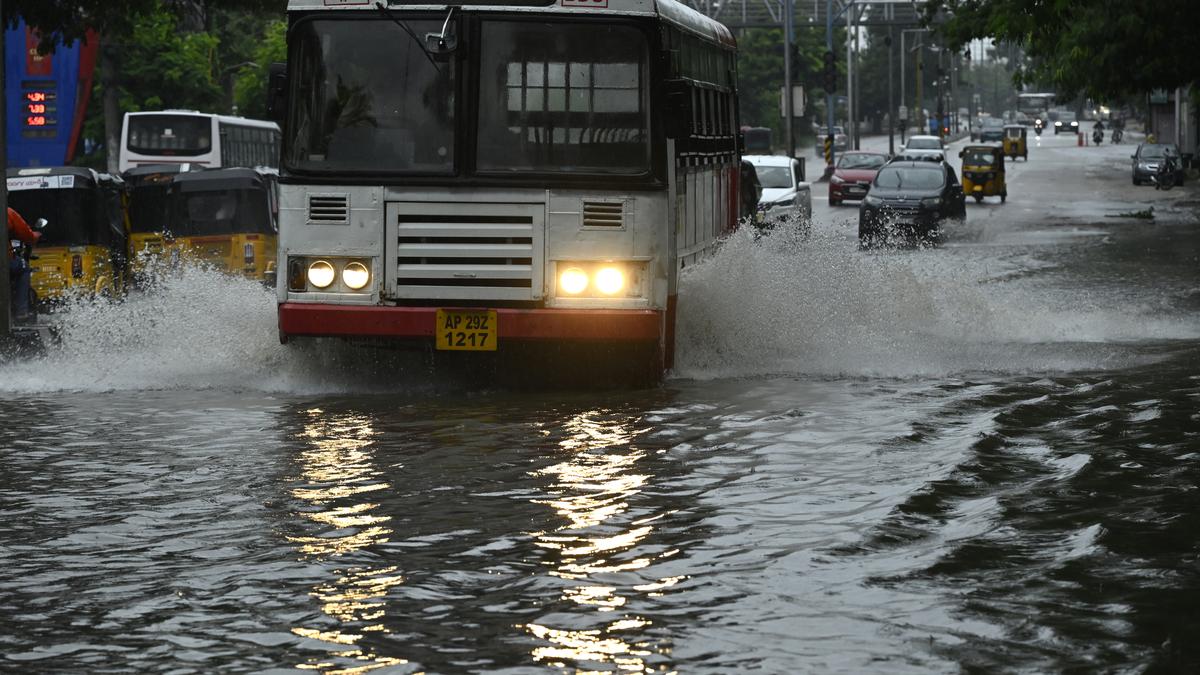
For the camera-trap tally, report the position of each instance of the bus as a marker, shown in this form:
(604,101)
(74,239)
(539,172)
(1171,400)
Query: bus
(201,139)
(504,176)
(1035,105)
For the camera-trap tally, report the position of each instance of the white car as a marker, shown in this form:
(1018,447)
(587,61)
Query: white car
(785,194)
(923,147)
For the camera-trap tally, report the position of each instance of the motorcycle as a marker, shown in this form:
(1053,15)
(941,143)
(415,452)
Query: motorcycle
(1037,127)
(1117,135)
(19,250)
(1097,136)
(1164,177)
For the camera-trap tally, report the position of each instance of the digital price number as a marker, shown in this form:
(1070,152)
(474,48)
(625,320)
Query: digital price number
(38,108)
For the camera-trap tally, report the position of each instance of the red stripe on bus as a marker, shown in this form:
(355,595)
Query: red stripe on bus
(619,325)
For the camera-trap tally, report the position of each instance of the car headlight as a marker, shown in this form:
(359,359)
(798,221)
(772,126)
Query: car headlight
(600,279)
(931,202)
(872,200)
(1058,124)
(355,276)
(836,180)
(321,273)
(790,201)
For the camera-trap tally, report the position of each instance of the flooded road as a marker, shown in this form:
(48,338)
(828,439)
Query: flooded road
(983,456)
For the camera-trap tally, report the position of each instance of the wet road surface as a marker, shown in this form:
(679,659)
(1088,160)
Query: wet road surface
(983,456)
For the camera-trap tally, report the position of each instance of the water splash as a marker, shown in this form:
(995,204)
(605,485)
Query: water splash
(786,303)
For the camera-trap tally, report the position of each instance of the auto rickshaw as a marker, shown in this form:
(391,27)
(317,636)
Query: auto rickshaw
(146,189)
(1014,141)
(226,218)
(983,171)
(83,245)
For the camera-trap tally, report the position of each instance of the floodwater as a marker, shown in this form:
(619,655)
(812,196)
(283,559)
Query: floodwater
(978,457)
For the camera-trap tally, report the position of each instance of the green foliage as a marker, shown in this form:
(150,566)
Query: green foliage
(1102,49)
(760,75)
(250,90)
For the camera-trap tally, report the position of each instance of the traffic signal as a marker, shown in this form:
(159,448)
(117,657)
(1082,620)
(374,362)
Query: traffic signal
(830,72)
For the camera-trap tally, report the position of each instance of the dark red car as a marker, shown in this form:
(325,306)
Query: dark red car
(853,175)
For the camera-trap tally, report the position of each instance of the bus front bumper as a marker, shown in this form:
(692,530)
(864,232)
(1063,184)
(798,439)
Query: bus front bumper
(605,325)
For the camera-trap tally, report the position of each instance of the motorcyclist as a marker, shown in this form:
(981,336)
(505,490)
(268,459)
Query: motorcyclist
(1098,132)
(18,271)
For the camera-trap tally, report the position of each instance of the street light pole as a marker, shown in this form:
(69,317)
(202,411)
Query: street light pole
(789,113)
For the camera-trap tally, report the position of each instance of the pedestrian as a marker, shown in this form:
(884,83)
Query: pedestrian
(18,271)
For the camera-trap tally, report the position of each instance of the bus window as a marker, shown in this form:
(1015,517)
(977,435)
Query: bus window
(170,134)
(573,98)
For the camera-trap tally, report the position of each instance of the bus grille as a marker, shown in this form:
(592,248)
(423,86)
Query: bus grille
(468,251)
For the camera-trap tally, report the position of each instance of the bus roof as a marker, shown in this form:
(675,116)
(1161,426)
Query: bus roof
(230,119)
(672,12)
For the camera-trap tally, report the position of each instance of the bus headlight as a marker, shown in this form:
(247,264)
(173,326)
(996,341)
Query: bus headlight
(610,280)
(573,281)
(356,276)
(321,274)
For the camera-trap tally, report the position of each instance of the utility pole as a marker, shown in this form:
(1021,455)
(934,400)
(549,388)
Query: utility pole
(891,114)
(919,107)
(828,90)
(788,113)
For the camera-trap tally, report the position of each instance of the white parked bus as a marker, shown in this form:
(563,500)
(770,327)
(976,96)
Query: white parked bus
(502,176)
(196,138)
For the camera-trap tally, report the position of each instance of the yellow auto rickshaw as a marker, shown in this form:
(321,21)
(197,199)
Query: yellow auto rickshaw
(983,172)
(82,249)
(1014,141)
(226,218)
(147,188)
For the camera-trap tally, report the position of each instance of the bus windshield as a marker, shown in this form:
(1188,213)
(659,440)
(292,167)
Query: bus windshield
(369,99)
(553,97)
(571,98)
(72,215)
(171,135)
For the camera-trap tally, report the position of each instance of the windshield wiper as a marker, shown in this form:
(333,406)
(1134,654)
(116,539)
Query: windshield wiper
(383,9)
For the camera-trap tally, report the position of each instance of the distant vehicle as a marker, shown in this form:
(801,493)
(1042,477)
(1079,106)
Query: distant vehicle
(910,198)
(1035,104)
(202,139)
(919,147)
(840,140)
(785,194)
(756,140)
(992,130)
(1065,121)
(853,174)
(1149,157)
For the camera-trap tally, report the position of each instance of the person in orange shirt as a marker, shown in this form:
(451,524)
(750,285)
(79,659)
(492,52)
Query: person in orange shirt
(18,271)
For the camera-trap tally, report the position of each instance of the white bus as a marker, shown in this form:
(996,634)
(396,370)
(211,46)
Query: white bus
(502,176)
(201,139)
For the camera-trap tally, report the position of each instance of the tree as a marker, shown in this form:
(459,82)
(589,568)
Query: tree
(250,90)
(1101,49)
(760,75)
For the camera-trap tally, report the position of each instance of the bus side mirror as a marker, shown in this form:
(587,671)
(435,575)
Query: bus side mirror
(961,153)
(678,118)
(277,92)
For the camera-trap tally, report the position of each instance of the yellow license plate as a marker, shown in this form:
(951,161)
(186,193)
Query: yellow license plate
(466,330)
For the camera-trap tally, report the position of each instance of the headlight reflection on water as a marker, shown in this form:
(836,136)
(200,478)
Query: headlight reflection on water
(337,465)
(591,490)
